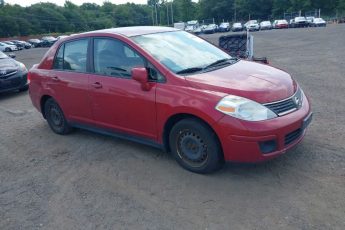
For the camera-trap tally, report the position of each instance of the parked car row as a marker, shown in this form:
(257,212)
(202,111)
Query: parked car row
(299,22)
(14,45)
(13,74)
(47,41)
(254,25)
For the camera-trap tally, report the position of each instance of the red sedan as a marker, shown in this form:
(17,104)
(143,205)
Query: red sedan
(173,90)
(280,24)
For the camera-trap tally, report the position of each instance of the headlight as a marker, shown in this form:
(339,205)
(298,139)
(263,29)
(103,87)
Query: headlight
(22,67)
(244,109)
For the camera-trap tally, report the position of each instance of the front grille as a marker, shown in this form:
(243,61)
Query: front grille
(7,73)
(291,137)
(287,105)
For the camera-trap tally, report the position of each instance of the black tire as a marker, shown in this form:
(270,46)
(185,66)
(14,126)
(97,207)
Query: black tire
(25,88)
(7,49)
(55,117)
(195,146)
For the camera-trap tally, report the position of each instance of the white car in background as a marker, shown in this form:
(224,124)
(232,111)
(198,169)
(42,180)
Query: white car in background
(224,27)
(7,48)
(252,25)
(310,20)
(237,26)
(265,25)
(62,36)
(318,22)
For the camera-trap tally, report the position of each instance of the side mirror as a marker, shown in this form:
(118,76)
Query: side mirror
(11,55)
(141,75)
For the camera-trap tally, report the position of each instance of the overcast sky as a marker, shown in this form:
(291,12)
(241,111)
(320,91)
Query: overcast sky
(78,2)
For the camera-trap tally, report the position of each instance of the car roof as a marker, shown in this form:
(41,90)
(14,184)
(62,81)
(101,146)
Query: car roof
(135,30)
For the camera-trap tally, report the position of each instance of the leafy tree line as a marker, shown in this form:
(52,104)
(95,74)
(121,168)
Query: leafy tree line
(47,17)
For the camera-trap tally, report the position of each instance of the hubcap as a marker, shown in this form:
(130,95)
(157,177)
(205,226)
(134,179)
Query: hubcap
(191,148)
(55,116)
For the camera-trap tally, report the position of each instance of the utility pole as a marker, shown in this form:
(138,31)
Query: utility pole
(153,18)
(235,11)
(156,14)
(167,13)
(172,12)
(319,13)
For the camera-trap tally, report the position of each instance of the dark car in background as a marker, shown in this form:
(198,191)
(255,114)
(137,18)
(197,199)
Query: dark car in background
(299,22)
(35,42)
(13,74)
(24,44)
(48,41)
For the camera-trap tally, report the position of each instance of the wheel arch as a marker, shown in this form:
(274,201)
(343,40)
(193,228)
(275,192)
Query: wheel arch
(172,120)
(43,100)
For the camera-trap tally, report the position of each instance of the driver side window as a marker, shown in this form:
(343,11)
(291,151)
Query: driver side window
(115,59)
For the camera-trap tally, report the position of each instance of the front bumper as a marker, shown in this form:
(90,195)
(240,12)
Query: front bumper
(242,141)
(15,82)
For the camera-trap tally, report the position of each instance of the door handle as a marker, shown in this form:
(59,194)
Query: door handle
(55,78)
(97,85)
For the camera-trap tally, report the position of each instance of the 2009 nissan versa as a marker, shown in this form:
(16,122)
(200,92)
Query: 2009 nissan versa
(173,90)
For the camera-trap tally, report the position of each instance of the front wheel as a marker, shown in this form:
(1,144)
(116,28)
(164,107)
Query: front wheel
(8,49)
(24,88)
(56,118)
(195,146)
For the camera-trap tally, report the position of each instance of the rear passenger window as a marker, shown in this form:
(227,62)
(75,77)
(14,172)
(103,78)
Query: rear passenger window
(58,61)
(75,56)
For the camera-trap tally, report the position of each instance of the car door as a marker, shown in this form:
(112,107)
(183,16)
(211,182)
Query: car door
(69,80)
(118,102)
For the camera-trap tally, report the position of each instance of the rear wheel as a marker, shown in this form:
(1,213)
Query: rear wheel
(195,146)
(56,118)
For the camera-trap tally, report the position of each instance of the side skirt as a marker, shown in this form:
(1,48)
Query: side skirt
(120,135)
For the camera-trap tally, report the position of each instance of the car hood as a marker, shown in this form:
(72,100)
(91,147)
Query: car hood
(8,63)
(258,82)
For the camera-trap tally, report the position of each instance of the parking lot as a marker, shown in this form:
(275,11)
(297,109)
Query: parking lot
(90,181)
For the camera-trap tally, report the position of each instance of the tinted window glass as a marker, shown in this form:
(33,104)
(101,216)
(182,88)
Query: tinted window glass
(114,58)
(58,61)
(75,55)
(154,74)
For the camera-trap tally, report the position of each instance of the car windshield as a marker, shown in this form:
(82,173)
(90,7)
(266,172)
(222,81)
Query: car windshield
(318,20)
(237,24)
(180,51)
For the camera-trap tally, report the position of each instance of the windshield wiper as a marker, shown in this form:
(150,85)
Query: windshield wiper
(190,70)
(216,63)
(221,61)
